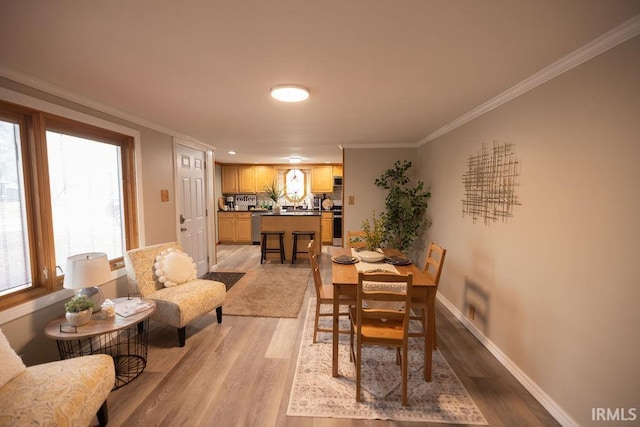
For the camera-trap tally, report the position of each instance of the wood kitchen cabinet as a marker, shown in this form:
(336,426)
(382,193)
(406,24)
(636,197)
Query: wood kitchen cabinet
(265,175)
(238,179)
(327,228)
(229,179)
(234,227)
(246,179)
(337,170)
(322,179)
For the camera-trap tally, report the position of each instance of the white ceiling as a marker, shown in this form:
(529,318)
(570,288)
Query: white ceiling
(380,72)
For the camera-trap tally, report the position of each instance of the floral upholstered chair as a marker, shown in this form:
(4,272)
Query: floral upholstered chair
(160,273)
(67,392)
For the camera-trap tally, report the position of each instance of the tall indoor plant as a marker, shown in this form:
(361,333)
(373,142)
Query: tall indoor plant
(405,206)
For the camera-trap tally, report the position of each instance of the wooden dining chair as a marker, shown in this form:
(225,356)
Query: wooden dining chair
(433,269)
(356,239)
(324,295)
(382,326)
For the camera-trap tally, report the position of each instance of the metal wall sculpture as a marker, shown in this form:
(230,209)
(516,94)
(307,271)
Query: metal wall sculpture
(490,183)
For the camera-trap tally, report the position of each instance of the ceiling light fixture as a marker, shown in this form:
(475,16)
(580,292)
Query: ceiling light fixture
(233,153)
(295,159)
(289,93)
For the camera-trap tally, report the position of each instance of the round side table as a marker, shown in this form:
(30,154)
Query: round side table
(126,339)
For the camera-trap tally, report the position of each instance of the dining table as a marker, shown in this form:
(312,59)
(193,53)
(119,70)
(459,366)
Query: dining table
(345,282)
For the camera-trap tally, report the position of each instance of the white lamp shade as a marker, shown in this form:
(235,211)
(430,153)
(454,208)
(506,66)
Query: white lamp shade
(87,270)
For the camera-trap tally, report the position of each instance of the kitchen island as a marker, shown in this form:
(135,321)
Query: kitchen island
(289,222)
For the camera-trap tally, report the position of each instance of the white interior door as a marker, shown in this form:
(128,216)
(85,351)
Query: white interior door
(192,205)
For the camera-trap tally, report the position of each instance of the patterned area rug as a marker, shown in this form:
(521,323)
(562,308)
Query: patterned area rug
(315,393)
(228,278)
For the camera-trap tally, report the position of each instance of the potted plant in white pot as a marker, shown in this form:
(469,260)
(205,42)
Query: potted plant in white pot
(79,310)
(275,193)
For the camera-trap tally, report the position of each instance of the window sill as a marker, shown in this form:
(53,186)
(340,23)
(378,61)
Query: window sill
(29,307)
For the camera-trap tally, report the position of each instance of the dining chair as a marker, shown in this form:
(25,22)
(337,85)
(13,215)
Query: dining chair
(433,269)
(382,326)
(324,295)
(356,239)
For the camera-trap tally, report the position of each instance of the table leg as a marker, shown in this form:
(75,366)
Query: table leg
(336,310)
(430,332)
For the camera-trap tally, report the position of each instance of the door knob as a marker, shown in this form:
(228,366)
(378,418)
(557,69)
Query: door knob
(182,220)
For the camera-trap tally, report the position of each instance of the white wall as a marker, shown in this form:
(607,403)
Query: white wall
(557,285)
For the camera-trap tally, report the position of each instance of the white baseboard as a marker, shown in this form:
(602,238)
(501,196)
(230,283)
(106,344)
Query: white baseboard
(545,400)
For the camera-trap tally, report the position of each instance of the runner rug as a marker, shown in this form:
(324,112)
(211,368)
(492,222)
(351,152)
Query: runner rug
(272,291)
(315,393)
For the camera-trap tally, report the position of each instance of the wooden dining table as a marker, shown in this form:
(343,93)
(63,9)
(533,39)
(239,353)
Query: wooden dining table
(345,282)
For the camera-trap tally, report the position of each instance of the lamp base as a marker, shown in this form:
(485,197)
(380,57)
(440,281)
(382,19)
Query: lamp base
(94,294)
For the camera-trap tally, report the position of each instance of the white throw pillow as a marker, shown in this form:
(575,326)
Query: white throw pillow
(174,267)
(12,364)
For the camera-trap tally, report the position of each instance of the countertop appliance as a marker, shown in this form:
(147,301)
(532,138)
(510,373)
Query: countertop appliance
(230,202)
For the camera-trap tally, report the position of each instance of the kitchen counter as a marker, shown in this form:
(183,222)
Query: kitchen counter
(293,221)
(293,213)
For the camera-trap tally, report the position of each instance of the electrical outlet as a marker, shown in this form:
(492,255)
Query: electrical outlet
(472,312)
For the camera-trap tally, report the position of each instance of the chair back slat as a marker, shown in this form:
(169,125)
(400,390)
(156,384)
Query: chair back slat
(434,262)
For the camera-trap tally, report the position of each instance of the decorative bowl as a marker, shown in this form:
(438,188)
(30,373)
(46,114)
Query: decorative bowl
(371,256)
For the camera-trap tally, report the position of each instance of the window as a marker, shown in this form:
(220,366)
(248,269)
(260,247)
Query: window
(295,186)
(65,188)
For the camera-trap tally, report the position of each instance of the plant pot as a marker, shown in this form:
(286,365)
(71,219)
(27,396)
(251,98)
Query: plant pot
(80,318)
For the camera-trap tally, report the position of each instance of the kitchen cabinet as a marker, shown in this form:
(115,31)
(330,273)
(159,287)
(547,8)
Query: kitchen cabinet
(246,179)
(327,228)
(229,179)
(322,179)
(265,175)
(337,170)
(234,227)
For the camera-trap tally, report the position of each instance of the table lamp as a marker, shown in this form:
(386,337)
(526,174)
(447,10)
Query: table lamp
(85,272)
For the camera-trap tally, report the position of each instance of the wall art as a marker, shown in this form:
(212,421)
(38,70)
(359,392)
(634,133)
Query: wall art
(490,184)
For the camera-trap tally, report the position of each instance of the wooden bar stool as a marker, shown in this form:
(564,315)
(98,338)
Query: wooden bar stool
(265,249)
(294,253)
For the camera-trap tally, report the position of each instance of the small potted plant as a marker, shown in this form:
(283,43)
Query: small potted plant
(275,193)
(79,310)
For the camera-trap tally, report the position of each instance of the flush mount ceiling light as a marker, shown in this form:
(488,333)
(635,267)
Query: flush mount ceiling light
(295,159)
(289,93)
(233,153)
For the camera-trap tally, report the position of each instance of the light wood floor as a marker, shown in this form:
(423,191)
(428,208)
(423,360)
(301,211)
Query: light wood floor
(239,372)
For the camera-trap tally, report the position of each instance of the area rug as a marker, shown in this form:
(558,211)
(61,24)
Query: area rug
(274,291)
(227,277)
(315,393)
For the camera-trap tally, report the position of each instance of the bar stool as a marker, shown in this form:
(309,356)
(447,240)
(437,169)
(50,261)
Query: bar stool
(267,250)
(294,253)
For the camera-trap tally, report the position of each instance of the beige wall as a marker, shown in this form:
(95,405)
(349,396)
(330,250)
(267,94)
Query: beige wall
(361,168)
(557,284)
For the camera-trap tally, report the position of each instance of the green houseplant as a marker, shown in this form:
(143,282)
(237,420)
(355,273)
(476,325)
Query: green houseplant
(79,310)
(273,192)
(375,231)
(405,206)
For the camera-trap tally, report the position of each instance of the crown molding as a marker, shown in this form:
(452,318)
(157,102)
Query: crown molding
(385,145)
(51,89)
(610,39)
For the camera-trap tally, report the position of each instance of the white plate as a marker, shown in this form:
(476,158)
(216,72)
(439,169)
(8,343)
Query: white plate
(327,204)
(371,256)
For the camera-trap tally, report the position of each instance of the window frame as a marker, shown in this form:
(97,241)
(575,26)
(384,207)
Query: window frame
(33,127)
